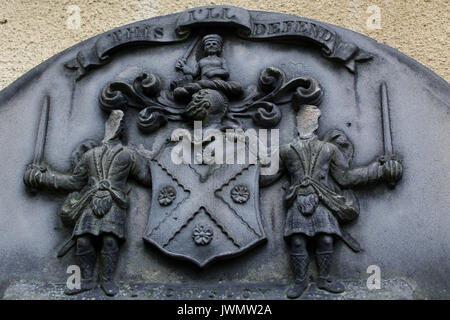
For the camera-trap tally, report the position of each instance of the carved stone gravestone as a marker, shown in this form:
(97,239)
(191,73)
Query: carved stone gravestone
(226,153)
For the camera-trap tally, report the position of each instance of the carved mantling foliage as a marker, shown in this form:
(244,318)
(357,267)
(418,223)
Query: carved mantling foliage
(260,103)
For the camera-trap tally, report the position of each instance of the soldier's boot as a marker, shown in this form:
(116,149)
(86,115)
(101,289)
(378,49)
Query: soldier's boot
(300,263)
(325,282)
(109,260)
(86,262)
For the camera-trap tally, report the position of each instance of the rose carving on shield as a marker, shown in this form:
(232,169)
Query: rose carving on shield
(240,194)
(202,235)
(166,196)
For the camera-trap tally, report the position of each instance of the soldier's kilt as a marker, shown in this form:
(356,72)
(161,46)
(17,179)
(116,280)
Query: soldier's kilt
(321,221)
(112,222)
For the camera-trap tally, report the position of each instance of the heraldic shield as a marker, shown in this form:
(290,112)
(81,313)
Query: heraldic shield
(203,212)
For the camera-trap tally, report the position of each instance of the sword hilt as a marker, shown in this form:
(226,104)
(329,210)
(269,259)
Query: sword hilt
(384,159)
(42,168)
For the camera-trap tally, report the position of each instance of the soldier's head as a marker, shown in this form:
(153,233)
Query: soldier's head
(114,126)
(307,120)
(212,44)
(206,105)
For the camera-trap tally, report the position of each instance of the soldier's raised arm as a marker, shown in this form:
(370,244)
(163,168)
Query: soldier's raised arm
(389,171)
(267,180)
(352,177)
(140,168)
(44,176)
(182,66)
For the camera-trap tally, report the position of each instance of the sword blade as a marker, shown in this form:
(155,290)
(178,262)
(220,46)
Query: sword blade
(42,132)
(386,120)
(190,48)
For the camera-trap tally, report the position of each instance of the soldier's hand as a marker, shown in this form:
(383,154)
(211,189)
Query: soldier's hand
(392,171)
(34,175)
(179,66)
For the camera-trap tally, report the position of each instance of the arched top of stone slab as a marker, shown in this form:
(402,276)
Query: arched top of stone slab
(344,46)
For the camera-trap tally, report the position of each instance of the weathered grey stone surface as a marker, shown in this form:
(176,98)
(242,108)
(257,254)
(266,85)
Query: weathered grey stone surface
(356,289)
(404,231)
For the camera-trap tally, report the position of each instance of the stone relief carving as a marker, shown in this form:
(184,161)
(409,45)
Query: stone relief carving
(319,199)
(159,106)
(332,46)
(202,235)
(167,195)
(204,211)
(240,194)
(97,206)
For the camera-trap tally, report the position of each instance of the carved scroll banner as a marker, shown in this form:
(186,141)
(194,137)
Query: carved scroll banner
(98,54)
(222,15)
(332,46)
(150,32)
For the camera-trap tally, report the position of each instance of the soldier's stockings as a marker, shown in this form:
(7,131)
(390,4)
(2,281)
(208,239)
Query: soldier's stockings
(86,256)
(109,256)
(300,263)
(324,255)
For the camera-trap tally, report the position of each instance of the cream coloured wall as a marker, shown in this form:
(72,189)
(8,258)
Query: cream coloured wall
(32,31)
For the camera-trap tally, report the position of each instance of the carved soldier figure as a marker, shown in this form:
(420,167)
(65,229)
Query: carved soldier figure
(210,72)
(97,208)
(317,201)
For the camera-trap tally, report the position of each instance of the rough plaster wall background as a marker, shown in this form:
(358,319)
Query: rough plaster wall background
(32,31)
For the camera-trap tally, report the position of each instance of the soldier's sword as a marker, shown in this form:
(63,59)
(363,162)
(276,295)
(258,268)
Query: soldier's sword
(42,133)
(386,123)
(190,49)
(38,158)
(386,120)
(39,146)
(185,78)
